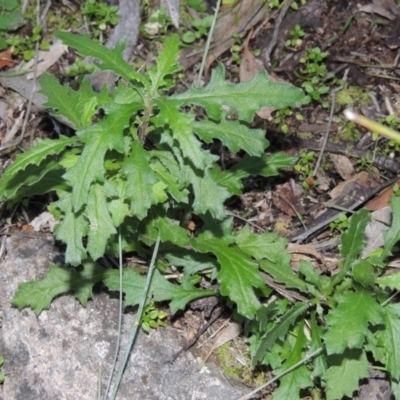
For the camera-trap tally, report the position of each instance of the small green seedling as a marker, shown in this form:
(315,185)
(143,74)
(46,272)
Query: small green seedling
(340,224)
(153,318)
(10,19)
(296,35)
(200,29)
(100,15)
(26,45)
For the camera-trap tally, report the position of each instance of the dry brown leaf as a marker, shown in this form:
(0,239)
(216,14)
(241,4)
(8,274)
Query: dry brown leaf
(343,165)
(46,58)
(362,178)
(232,331)
(6,58)
(238,20)
(286,200)
(381,200)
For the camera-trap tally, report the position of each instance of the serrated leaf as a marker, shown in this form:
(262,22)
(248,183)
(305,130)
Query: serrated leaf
(101,225)
(392,339)
(39,294)
(291,384)
(353,242)
(191,261)
(174,189)
(348,322)
(178,295)
(161,290)
(344,373)
(111,59)
(208,195)
(62,99)
(166,63)
(266,245)
(266,165)
(106,135)
(316,343)
(238,275)
(34,156)
(310,273)
(20,183)
(392,235)
(245,98)
(182,132)
(233,135)
(157,223)
(228,180)
(282,272)
(363,272)
(353,239)
(140,180)
(71,230)
(391,281)
(278,331)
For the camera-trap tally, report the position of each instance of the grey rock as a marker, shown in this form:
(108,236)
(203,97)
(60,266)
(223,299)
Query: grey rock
(65,351)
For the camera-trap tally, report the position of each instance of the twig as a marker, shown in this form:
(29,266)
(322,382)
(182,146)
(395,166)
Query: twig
(328,128)
(195,338)
(271,45)
(208,43)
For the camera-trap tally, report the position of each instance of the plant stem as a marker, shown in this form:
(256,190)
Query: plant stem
(137,320)
(292,368)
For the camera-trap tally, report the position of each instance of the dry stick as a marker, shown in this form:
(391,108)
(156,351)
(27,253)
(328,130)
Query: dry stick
(28,109)
(270,46)
(328,128)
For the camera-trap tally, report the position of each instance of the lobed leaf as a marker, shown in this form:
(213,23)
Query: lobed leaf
(344,373)
(392,339)
(238,273)
(233,135)
(266,165)
(106,135)
(161,289)
(278,331)
(291,384)
(392,235)
(39,294)
(348,322)
(245,98)
(111,59)
(166,63)
(101,224)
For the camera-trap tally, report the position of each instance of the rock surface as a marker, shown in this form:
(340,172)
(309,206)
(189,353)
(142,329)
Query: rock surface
(62,353)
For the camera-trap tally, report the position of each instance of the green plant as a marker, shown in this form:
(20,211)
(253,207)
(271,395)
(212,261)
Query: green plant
(79,68)
(236,49)
(315,75)
(200,29)
(295,37)
(341,223)
(305,167)
(350,319)
(100,15)
(281,116)
(153,318)
(139,164)
(198,5)
(26,45)
(10,19)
